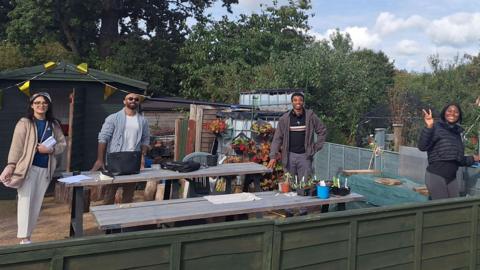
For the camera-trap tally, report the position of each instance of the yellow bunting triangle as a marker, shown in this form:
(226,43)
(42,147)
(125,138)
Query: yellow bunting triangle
(83,68)
(141,98)
(108,91)
(50,65)
(25,88)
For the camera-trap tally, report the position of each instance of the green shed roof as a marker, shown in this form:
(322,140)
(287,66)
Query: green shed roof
(67,72)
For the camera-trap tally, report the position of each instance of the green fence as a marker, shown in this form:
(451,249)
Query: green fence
(432,235)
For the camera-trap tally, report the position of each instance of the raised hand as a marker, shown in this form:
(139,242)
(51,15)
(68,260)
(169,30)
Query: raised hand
(428,118)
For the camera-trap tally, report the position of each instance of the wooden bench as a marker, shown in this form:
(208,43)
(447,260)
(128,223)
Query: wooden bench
(120,216)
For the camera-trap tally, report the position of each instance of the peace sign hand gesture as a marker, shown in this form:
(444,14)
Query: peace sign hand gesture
(428,118)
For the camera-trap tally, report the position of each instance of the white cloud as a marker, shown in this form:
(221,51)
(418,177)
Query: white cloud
(455,30)
(388,23)
(361,36)
(407,47)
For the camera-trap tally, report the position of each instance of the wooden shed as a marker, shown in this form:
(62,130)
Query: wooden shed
(78,102)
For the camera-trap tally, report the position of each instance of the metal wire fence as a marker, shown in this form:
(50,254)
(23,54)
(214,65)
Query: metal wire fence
(334,158)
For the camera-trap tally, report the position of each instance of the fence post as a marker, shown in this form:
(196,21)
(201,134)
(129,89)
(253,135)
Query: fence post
(380,142)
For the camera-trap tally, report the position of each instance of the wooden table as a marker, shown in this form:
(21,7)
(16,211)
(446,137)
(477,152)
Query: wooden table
(230,169)
(119,216)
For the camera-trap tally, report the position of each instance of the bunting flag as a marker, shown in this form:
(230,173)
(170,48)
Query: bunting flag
(50,65)
(1,99)
(108,91)
(83,68)
(25,88)
(141,98)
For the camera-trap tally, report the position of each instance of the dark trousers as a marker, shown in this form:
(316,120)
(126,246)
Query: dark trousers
(439,189)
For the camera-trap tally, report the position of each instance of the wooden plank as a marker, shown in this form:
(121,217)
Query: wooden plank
(454,261)
(418,240)
(70,130)
(352,245)
(314,236)
(474,236)
(314,254)
(444,248)
(447,216)
(405,266)
(156,175)
(222,246)
(190,137)
(336,264)
(136,214)
(386,225)
(446,232)
(385,242)
(221,262)
(42,265)
(164,266)
(386,259)
(120,259)
(352,172)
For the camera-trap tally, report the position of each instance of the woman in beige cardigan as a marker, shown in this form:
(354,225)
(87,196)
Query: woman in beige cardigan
(37,138)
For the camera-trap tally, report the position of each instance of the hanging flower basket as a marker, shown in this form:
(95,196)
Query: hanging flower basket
(216,126)
(243,145)
(262,130)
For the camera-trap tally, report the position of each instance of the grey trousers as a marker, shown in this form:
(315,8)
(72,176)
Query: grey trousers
(30,199)
(439,189)
(299,165)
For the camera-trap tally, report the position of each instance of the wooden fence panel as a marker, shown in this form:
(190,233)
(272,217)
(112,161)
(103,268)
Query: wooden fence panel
(432,235)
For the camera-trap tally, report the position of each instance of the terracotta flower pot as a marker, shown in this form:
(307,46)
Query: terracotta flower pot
(283,187)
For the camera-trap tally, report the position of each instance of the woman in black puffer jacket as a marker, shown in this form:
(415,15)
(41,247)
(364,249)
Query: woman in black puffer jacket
(443,142)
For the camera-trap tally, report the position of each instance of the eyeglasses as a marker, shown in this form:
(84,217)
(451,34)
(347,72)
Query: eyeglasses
(40,103)
(131,99)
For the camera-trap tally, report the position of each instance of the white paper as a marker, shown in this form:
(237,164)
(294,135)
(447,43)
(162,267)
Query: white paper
(74,179)
(49,142)
(232,198)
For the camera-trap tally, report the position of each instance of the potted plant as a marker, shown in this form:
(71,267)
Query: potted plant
(284,183)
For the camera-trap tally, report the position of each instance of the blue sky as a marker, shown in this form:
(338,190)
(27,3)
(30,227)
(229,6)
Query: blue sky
(408,31)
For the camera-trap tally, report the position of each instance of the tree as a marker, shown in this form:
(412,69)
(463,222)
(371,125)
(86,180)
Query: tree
(220,59)
(110,34)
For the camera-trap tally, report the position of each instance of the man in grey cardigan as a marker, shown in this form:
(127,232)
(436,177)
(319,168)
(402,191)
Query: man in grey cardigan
(125,130)
(295,136)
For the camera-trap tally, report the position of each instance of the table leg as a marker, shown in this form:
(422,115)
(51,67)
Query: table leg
(76,214)
(174,190)
(228,184)
(168,187)
(256,182)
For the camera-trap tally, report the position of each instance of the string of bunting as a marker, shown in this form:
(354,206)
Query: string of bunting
(24,86)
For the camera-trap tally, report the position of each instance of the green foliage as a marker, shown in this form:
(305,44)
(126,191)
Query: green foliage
(342,84)
(220,59)
(135,38)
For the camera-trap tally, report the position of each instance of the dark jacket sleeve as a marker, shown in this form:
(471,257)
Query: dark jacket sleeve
(277,139)
(425,142)
(321,132)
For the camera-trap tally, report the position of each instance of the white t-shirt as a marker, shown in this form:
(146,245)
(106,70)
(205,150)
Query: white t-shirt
(130,133)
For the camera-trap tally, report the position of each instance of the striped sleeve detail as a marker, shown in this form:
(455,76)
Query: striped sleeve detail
(298,128)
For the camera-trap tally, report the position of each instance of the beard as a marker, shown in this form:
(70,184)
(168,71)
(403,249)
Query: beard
(132,105)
